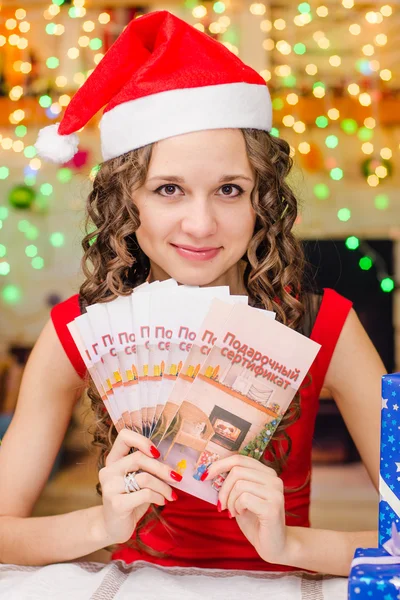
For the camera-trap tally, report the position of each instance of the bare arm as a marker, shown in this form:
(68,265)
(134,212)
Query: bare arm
(49,390)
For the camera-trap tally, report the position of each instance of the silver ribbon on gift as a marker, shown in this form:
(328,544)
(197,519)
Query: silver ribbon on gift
(392,546)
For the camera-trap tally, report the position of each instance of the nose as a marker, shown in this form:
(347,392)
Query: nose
(198,219)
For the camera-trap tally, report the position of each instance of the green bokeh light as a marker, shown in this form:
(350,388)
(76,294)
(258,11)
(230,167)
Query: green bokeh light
(277,104)
(31,250)
(29,180)
(318,84)
(4,172)
(21,131)
(364,134)
(274,132)
(11,294)
(3,250)
(52,62)
(45,101)
(23,225)
(4,268)
(352,242)
(51,28)
(32,233)
(72,12)
(64,175)
(344,214)
(37,262)
(95,44)
(58,2)
(46,189)
(304,7)
(331,141)
(289,81)
(30,151)
(365,263)
(57,239)
(349,126)
(336,174)
(381,201)
(322,121)
(3,212)
(219,7)
(299,48)
(321,191)
(387,284)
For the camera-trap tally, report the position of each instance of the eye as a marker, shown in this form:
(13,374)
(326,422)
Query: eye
(169,189)
(226,189)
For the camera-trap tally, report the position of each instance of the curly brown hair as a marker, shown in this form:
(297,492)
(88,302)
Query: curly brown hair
(113,262)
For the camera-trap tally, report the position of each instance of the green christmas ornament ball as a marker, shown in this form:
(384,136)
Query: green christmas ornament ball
(21,197)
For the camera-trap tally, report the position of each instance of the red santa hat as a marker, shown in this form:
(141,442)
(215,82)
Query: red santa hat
(161,78)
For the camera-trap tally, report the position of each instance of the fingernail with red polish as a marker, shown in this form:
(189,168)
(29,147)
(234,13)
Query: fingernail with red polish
(204,476)
(154,452)
(229,515)
(219,507)
(174,495)
(176,476)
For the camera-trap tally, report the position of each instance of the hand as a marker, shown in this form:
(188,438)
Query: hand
(253,493)
(121,511)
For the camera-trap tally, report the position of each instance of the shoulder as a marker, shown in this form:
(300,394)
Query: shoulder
(325,312)
(62,314)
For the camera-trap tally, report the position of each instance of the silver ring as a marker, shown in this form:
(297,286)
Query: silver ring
(131,485)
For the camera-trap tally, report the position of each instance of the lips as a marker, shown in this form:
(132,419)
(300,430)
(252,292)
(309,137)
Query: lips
(194,249)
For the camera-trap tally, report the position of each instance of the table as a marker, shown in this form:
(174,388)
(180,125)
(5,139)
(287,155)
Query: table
(143,581)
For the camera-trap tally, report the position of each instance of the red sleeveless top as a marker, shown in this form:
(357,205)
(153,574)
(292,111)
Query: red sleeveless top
(202,536)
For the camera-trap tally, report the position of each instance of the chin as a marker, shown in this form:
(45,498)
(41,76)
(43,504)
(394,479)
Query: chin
(192,276)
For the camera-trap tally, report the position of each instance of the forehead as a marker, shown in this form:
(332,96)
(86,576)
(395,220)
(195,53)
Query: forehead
(217,150)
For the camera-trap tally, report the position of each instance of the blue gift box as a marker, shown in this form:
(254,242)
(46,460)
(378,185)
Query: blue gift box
(389,480)
(374,574)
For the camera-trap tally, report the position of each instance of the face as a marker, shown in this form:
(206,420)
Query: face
(195,208)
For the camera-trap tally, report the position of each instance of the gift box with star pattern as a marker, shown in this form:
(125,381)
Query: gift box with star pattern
(374,574)
(389,480)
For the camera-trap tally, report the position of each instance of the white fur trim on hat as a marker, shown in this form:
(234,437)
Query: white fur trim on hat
(135,123)
(54,147)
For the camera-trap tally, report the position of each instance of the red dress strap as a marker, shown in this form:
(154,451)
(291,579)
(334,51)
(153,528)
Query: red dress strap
(64,313)
(328,325)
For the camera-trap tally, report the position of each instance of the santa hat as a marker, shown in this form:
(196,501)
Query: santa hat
(161,78)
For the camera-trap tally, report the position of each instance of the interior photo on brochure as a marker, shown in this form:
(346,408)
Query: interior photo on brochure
(197,370)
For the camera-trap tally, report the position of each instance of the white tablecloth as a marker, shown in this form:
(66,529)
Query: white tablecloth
(141,581)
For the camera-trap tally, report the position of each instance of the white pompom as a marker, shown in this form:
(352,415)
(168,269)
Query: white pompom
(54,147)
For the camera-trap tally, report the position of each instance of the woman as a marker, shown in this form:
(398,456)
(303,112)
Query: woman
(192,187)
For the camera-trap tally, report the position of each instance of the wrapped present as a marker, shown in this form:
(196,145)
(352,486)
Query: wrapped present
(389,480)
(375,572)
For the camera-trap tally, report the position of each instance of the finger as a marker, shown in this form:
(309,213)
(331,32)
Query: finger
(226,464)
(127,439)
(245,474)
(126,503)
(256,489)
(116,485)
(248,501)
(140,462)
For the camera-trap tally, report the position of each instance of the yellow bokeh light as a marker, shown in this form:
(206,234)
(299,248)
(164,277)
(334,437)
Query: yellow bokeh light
(292,99)
(299,127)
(386,10)
(35,164)
(83,41)
(364,99)
(97,58)
(374,65)
(56,108)
(89,25)
(324,43)
(280,24)
(19,114)
(2,40)
(258,9)
(386,153)
(16,92)
(18,146)
(59,30)
(385,74)
(373,180)
(79,3)
(73,53)
(199,26)
(355,29)
(24,27)
(371,17)
(304,147)
(369,122)
(322,11)
(79,78)
(88,74)
(367,148)
(305,18)
(368,50)
(6,143)
(13,39)
(283,70)
(26,67)
(268,44)
(64,100)
(335,60)
(215,27)
(266,25)
(47,14)
(22,43)
(381,171)
(319,92)
(231,47)
(353,89)
(61,81)
(20,14)
(318,35)
(311,69)
(348,3)
(104,18)
(266,74)
(10,24)
(333,114)
(298,21)
(225,21)
(288,120)
(54,10)
(283,47)
(381,39)
(80,11)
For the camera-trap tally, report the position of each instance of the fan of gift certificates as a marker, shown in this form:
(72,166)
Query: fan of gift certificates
(197,370)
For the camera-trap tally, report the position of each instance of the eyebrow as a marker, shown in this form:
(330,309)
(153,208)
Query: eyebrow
(177,179)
